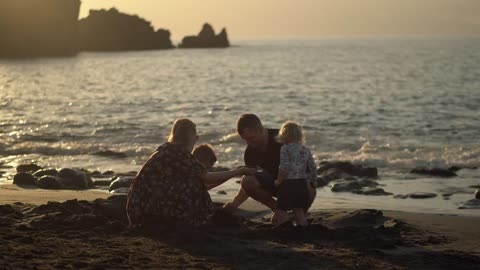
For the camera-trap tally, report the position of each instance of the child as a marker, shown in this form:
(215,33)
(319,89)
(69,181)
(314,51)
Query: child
(205,154)
(297,169)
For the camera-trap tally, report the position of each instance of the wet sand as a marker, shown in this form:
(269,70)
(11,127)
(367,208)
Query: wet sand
(77,230)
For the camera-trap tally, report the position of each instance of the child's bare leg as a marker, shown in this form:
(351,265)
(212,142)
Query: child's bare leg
(279,217)
(300,217)
(237,201)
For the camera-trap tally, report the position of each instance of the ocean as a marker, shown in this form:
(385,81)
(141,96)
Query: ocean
(395,104)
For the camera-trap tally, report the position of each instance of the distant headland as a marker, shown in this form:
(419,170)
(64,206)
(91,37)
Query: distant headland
(51,28)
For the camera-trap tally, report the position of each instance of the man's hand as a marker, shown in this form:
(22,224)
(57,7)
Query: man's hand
(247,171)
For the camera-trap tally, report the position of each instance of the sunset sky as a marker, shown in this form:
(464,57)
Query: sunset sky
(306,18)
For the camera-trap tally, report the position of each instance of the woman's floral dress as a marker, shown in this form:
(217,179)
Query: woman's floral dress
(169,187)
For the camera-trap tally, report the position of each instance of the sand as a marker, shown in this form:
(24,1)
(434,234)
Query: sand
(86,230)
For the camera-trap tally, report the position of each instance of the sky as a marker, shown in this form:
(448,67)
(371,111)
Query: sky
(306,18)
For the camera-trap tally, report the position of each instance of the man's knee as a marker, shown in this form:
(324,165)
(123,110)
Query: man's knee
(249,182)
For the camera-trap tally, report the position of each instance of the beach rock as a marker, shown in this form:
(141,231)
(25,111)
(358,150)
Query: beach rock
(372,191)
(206,39)
(422,195)
(434,172)
(120,182)
(32,28)
(221,192)
(470,204)
(357,218)
(111,30)
(400,196)
(43,172)
(108,173)
(103,183)
(475,186)
(330,171)
(351,186)
(74,179)
(48,182)
(477,194)
(28,168)
(122,190)
(110,153)
(96,174)
(24,178)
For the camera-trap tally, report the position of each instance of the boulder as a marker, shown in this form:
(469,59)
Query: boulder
(24,178)
(120,182)
(43,172)
(330,171)
(28,168)
(434,172)
(48,182)
(351,186)
(372,191)
(422,195)
(111,30)
(74,179)
(206,39)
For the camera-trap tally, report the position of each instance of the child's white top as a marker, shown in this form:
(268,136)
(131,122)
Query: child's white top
(298,161)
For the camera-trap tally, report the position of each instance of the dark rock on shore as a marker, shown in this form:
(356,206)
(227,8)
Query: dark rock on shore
(74,179)
(206,39)
(477,194)
(373,192)
(24,178)
(400,196)
(110,153)
(434,172)
(350,186)
(44,172)
(111,30)
(32,28)
(470,204)
(334,170)
(422,195)
(28,168)
(120,182)
(48,182)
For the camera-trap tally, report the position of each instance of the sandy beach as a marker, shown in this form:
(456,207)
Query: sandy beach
(43,229)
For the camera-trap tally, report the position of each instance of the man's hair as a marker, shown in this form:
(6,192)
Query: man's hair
(250,121)
(205,153)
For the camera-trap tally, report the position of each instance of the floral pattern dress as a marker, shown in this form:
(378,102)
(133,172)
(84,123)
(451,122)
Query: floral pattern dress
(169,187)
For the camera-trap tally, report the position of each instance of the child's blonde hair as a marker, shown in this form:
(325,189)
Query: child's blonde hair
(291,132)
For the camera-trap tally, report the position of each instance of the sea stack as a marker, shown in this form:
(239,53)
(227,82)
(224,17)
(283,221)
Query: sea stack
(33,28)
(111,30)
(206,39)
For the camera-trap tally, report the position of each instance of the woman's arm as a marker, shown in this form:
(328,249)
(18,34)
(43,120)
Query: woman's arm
(214,179)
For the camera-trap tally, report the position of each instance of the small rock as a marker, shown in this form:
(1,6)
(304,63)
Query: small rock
(43,172)
(28,168)
(120,182)
(221,192)
(121,190)
(400,196)
(372,191)
(434,172)
(24,178)
(110,153)
(477,194)
(471,204)
(75,179)
(422,195)
(48,182)
(108,173)
(103,183)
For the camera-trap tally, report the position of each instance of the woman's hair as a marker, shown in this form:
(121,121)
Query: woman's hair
(183,130)
(291,132)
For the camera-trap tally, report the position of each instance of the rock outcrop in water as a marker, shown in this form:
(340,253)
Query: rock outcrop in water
(111,30)
(33,28)
(206,39)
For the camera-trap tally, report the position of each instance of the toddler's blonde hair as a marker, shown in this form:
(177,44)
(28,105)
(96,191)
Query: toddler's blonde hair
(291,132)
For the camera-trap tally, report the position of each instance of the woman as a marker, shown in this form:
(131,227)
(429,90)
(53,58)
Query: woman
(171,185)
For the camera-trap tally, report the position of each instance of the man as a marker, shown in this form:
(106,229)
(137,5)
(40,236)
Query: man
(263,151)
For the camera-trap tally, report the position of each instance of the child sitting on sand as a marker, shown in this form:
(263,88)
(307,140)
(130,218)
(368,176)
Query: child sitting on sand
(295,170)
(205,154)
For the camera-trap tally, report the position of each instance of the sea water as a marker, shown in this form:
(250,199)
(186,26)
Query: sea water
(395,104)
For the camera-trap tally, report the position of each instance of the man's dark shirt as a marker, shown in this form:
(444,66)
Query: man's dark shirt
(268,160)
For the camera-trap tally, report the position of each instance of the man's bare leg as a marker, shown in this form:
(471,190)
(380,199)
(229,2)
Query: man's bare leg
(252,188)
(240,198)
